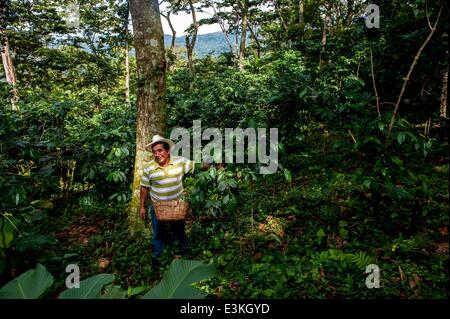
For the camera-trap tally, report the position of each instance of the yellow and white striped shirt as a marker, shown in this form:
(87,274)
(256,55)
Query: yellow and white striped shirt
(166,183)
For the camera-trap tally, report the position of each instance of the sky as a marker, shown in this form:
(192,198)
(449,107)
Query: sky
(182,21)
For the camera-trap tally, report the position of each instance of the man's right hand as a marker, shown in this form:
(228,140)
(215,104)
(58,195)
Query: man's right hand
(143,213)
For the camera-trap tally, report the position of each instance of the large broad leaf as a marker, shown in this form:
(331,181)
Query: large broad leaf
(90,288)
(176,283)
(42,203)
(6,233)
(30,285)
(33,241)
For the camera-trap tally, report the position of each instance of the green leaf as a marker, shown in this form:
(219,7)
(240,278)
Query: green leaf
(33,215)
(222,186)
(320,233)
(29,285)
(343,223)
(42,203)
(359,80)
(303,92)
(366,183)
(287,175)
(176,283)
(268,292)
(90,288)
(125,151)
(427,148)
(6,233)
(132,291)
(361,259)
(411,136)
(397,160)
(212,172)
(343,233)
(33,241)
(232,183)
(401,137)
(229,174)
(372,139)
(226,199)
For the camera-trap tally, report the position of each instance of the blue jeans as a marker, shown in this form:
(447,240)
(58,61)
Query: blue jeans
(159,234)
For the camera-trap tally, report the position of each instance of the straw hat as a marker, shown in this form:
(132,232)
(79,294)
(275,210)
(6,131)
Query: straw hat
(159,139)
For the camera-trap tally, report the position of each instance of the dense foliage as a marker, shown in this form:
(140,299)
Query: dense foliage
(348,192)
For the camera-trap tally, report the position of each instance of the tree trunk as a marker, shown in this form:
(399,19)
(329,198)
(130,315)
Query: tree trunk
(377,97)
(350,12)
(443,108)
(170,54)
(255,37)
(301,13)
(127,58)
(9,71)
(243,34)
(189,53)
(324,40)
(174,32)
(225,31)
(191,43)
(151,90)
(408,75)
(127,74)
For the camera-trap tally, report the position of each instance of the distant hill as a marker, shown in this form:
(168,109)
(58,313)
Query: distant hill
(212,43)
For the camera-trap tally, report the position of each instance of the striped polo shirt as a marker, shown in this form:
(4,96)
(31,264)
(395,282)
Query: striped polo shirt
(166,183)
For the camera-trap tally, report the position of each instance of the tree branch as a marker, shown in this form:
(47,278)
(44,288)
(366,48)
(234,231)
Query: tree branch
(373,82)
(406,79)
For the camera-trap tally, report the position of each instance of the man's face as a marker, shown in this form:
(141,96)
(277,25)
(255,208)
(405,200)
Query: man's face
(160,154)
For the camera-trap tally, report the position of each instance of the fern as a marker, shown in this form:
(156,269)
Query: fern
(413,244)
(361,259)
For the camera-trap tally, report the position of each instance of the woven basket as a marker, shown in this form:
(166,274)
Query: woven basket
(170,210)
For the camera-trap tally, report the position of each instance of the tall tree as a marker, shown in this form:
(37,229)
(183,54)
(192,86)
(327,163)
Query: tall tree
(235,18)
(222,17)
(187,6)
(8,66)
(172,29)
(151,90)
(326,21)
(301,13)
(244,19)
(127,54)
(443,108)
(191,37)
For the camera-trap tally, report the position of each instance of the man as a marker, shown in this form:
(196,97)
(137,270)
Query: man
(163,180)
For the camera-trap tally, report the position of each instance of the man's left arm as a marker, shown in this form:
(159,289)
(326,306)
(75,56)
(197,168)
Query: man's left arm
(191,167)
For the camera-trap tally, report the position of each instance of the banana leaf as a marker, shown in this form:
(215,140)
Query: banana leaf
(90,288)
(177,281)
(29,285)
